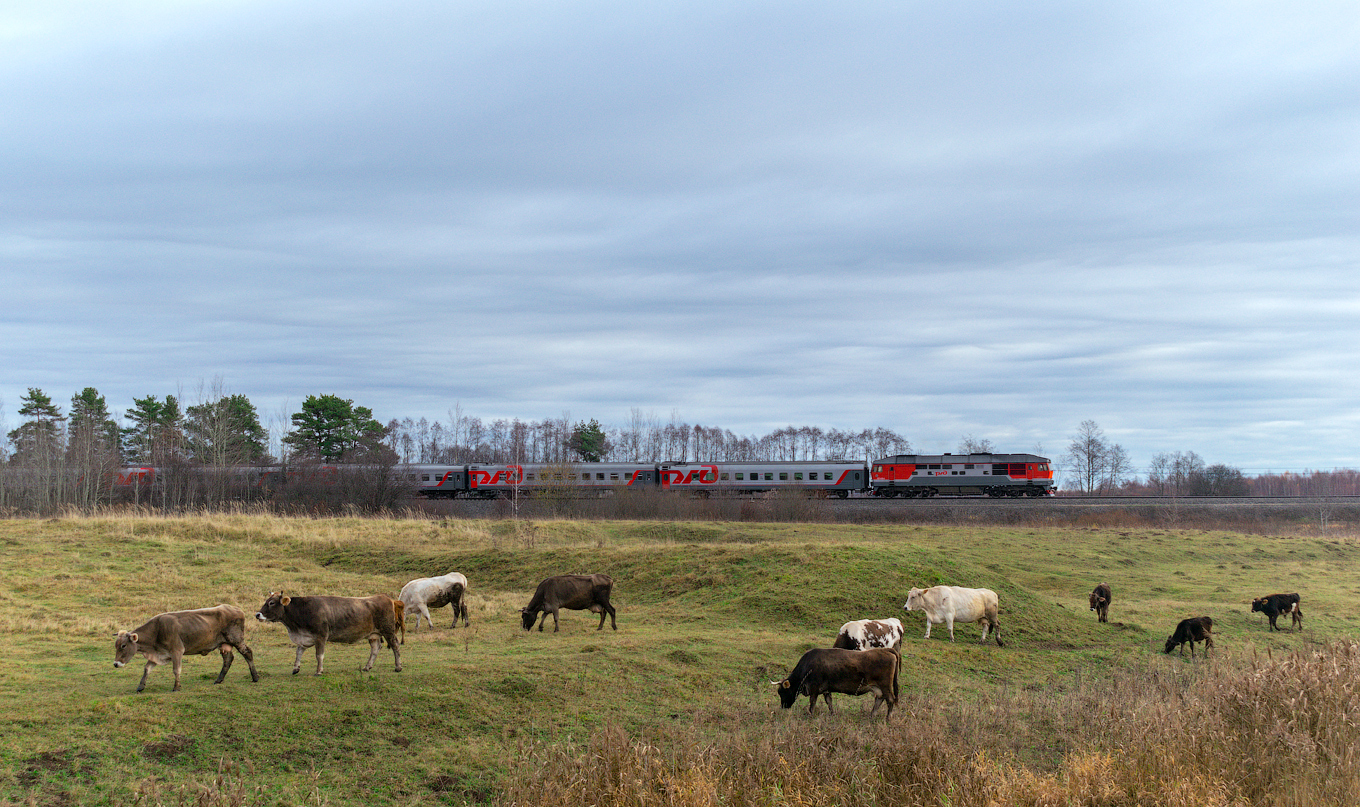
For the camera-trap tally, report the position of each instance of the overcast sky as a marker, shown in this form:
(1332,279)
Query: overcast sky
(948,219)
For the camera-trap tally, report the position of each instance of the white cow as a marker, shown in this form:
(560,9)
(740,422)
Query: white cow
(950,604)
(863,634)
(424,593)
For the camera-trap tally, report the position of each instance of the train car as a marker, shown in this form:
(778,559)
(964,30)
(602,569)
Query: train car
(925,475)
(492,481)
(824,478)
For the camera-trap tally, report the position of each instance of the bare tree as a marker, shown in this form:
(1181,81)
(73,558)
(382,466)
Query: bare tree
(972,445)
(1087,457)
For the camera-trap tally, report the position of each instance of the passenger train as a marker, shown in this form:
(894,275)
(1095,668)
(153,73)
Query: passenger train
(904,475)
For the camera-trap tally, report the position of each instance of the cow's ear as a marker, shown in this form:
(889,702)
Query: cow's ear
(132,637)
(785,684)
(285,600)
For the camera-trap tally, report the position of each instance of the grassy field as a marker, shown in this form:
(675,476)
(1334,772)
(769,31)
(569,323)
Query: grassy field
(708,614)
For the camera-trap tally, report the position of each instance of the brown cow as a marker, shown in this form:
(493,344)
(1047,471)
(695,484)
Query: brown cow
(313,621)
(577,592)
(1194,629)
(172,636)
(1100,602)
(853,672)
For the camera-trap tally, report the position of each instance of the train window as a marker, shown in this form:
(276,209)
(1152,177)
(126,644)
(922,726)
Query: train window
(798,475)
(783,477)
(827,475)
(769,477)
(614,477)
(740,476)
(724,476)
(968,467)
(933,467)
(529,477)
(425,478)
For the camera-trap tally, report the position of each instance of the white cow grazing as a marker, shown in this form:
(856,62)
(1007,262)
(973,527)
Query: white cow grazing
(950,604)
(863,634)
(424,593)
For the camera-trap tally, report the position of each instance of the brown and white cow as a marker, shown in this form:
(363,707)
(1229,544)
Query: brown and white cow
(822,671)
(1276,605)
(314,621)
(576,592)
(1189,631)
(424,593)
(950,604)
(172,636)
(862,634)
(1100,602)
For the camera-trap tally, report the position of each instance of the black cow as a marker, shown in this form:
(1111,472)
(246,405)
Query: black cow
(313,621)
(1275,605)
(576,592)
(1194,629)
(1100,602)
(822,671)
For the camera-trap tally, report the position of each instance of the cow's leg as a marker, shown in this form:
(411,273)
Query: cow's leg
(297,660)
(554,613)
(996,633)
(146,671)
(543,620)
(928,624)
(320,655)
(374,644)
(227,657)
(396,654)
(986,626)
(425,612)
(949,620)
(463,607)
(826,696)
(612,622)
(250,660)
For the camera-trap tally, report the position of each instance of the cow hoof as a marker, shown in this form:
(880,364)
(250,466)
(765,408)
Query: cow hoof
(295,672)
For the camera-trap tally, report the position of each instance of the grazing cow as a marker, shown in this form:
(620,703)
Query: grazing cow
(1276,605)
(950,604)
(170,637)
(1100,602)
(822,671)
(313,621)
(577,592)
(863,634)
(422,594)
(1194,629)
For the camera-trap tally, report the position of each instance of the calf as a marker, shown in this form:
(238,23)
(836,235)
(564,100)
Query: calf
(822,671)
(1100,602)
(950,604)
(313,621)
(863,634)
(172,636)
(576,592)
(424,593)
(1275,605)
(1194,629)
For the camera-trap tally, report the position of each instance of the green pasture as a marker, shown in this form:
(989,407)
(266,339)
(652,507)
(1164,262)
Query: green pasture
(708,614)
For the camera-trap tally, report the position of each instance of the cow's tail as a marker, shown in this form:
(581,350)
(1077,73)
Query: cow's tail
(897,671)
(399,611)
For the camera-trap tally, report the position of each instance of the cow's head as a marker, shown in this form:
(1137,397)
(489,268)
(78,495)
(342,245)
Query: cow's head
(1096,600)
(527,617)
(1258,604)
(788,693)
(914,602)
(124,648)
(272,610)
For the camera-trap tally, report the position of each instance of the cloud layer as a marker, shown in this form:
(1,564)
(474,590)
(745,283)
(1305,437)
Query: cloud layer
(944,219)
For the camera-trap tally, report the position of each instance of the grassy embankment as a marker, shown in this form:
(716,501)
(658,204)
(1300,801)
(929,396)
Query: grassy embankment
(708,614)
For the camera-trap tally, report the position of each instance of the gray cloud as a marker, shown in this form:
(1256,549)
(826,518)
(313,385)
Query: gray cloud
(964,219)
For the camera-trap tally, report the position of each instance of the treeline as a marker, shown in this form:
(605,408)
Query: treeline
(644,438)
